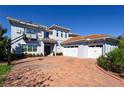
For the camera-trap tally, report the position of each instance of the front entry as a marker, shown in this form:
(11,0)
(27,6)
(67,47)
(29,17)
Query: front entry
(47,50)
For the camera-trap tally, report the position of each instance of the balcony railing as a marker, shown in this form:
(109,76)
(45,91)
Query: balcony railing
(30,36)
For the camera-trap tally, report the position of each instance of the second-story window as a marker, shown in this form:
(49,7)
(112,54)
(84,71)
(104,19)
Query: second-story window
(31,31)
(18,31)
(46,34)
(61,34)
(57,33)
(65,35)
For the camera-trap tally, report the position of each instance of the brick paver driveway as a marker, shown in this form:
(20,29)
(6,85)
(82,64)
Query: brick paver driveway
(58,71)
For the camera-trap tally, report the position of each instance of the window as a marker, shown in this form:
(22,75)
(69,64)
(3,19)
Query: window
(61,34)
(29,48)
(24,48)
(65,35)
(91,45)
(34,48)
(57,34)
(31,31)
(46,34)
(76,46)
(70,46)
(18,31)
(99,45)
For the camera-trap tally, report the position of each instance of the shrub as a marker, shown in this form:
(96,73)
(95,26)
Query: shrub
(41,54)
(102,62)
(15,56)
(116,56)
(30,55)
(114,61)
(59,54)
(37,55)
(33,55)
(26,55)
(53,54)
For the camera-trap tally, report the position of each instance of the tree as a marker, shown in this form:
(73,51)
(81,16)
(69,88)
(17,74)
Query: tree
(4,45)
(9,51)
(3,42)
(121,43)
(120,37)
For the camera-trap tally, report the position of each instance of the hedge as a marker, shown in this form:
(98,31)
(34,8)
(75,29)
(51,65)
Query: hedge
(113,62)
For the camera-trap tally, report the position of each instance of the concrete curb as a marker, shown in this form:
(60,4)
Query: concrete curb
(109,74)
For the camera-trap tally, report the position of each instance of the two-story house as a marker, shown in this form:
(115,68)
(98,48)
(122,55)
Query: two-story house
(31,38)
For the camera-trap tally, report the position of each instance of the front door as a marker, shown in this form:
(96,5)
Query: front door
(47,50)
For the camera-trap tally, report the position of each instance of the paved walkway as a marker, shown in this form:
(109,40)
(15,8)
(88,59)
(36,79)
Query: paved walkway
(59,72)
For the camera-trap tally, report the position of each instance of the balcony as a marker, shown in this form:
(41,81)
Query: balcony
(30,36)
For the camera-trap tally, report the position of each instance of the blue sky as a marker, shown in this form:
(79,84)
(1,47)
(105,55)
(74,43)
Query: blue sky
(83,20)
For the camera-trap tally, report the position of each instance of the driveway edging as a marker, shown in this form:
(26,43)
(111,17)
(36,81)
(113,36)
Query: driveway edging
(117,78)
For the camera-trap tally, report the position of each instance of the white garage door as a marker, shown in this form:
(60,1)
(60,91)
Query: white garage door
(94,51)
(70,51)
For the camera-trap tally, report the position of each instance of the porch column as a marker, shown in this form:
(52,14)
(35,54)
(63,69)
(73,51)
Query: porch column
(104,49)
(55,49)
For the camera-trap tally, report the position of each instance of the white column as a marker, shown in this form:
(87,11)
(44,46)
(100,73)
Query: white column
(55,49)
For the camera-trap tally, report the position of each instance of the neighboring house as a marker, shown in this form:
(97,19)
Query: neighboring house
(91,46)
(31,38)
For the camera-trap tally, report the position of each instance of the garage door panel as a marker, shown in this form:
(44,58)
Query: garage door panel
(70,52)
(94,52)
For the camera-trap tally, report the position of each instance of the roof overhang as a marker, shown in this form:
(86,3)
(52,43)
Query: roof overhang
(105,39)
(17,22)
(56,27)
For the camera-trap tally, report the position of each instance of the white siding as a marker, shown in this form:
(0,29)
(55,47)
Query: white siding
(17,45)
(59,38)
(16,32)
(109,47)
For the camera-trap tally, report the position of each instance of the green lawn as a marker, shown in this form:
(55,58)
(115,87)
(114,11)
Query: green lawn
(4,69)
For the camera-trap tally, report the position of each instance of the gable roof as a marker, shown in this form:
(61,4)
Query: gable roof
(57,27)
(89,37)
